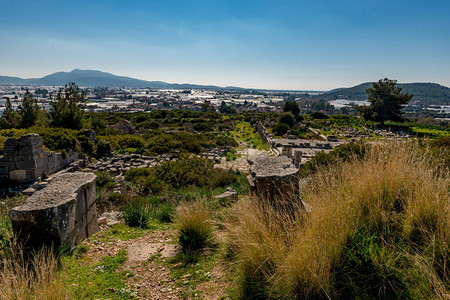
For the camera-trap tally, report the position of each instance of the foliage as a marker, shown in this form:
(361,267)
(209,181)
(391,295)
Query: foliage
(179,174)
(344,152)
(287,118)
(103,148)
(280,129)
(10,118)
(386,101)
(68,107)
(195,230)
(378,227)
(136,214)
(28,110)
(226,109)
(104,180)
(291,106)
(319,115)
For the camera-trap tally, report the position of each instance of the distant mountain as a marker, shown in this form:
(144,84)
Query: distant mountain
(424,93)
(101,79)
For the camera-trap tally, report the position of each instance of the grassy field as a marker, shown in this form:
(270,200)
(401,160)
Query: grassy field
(244,132)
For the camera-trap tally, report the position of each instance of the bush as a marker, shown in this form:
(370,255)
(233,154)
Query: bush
(179,174)
(104,180)
(280,129)
(195,230)
(287,118)
(130,141)
(136,214)
(103,149)
(319,115)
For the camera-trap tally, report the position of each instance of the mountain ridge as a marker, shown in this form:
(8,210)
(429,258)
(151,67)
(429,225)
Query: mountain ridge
(423,93)
(426,93)
(102,79)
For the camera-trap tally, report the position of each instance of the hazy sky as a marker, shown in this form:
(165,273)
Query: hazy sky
(305,45)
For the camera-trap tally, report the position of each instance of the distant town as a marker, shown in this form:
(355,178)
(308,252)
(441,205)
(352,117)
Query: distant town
(149,99)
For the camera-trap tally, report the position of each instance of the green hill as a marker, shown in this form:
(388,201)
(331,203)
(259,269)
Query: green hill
(424,93)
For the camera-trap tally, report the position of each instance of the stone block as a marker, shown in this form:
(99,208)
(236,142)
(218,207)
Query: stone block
(48,217)
(17,175)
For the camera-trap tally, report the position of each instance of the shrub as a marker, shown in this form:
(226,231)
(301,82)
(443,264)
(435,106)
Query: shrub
(179,174)
(130,141)
(319,115)
(103,149)
(287,118)
(104,180)
(280,129)
(136,214)
(195,229)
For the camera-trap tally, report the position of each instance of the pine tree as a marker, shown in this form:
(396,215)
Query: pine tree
(68,107)
(386,101)
(28,111)
(10,118)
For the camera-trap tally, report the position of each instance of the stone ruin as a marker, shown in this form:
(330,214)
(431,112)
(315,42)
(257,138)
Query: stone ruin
(273,179)
(60,214)
(25,160)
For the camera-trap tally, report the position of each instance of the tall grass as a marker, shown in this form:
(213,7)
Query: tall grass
(195,227)
(31,277)
(379,227)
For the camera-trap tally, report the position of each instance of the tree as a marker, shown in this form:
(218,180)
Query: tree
(287,118)
(280,129)
(226,109)
(28,110)
(10,118)
(386,102)
(291,106)
(68,107)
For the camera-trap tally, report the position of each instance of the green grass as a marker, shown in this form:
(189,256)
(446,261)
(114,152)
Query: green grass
(188,271)
(244,132)
(122,232)
(433,132)
(102,280)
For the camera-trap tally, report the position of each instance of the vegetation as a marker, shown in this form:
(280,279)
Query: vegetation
(378,219)
(68,107)
(136,214)
(386,101)
(195,229)
(377,224)
(292,107)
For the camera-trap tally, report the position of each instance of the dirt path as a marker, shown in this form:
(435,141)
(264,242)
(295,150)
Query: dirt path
(152,278)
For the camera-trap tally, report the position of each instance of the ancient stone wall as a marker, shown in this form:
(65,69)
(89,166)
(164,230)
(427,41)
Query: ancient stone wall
(266,137)
(61,214)
(25,160)
(273,179)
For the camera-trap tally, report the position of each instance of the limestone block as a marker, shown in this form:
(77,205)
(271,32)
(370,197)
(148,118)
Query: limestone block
(48,217)
(17,175)
(273,178)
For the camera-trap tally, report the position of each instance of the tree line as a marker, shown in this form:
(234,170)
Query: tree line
(67,110)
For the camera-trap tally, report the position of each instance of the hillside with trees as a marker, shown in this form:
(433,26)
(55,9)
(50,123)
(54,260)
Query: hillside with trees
(424,93)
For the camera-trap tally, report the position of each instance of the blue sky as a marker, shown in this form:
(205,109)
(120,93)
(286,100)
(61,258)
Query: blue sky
(303,45)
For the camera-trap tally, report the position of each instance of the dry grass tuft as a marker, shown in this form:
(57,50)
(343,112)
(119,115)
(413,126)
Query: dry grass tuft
(35,277)
(377,224)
